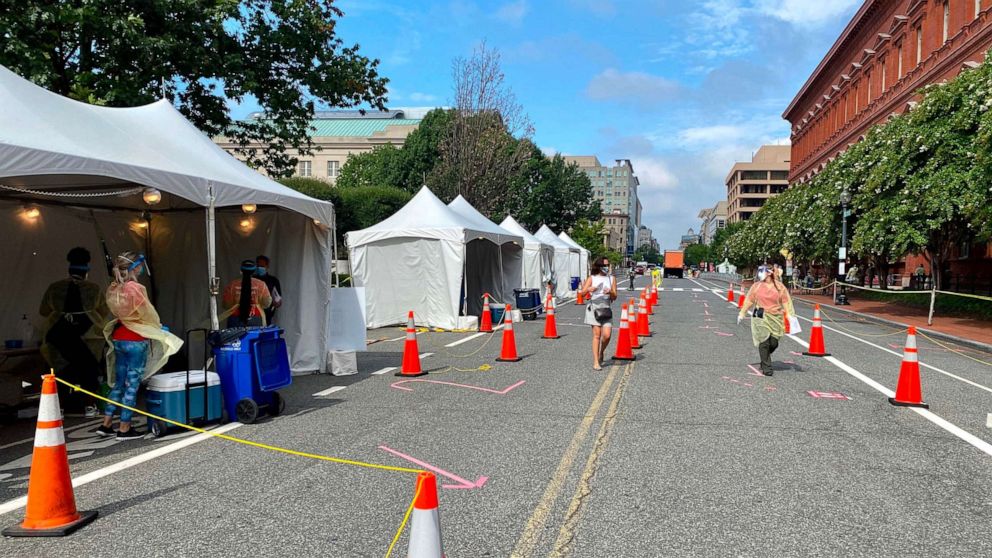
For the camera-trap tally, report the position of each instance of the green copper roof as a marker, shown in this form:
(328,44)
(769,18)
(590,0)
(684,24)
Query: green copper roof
(358,127)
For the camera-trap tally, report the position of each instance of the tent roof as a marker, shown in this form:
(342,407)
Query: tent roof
(547,236)
(53,143)
(568,240)
(424,216)
(461,206)
(530,241)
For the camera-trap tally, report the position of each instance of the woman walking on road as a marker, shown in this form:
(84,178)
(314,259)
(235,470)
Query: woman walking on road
(601,289)
(770,300)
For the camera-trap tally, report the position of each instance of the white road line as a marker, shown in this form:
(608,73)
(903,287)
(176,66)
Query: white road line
(890,351)
(677,289)
(384,370)
(697,290)
(395,339)
(425,355)
(329,391)
(466,340)
(18,503)
(950,427)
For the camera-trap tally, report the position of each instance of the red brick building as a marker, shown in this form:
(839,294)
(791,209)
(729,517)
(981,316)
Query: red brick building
(887,52)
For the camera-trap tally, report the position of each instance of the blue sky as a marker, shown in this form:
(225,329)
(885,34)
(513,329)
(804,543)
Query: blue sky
(682,88)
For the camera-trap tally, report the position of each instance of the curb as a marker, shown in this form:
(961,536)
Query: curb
(970,343)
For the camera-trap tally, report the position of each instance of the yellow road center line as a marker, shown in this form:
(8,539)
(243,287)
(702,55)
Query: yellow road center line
(566,536)
(535,525)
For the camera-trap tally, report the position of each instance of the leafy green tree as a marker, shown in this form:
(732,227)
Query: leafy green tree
(553,192)
(696,253)
(647,254)
(283,54)
(383,166)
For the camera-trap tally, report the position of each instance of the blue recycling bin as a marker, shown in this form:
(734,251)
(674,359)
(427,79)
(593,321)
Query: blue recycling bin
(496,312)
(529,302)
(574,284)
(252,364)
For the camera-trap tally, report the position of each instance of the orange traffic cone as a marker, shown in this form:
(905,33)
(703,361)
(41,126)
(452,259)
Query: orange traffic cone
(51,508)
(816,347)
(550,324)
(486,319)
(730,293)
(425,523)
(578,296)
(623,351)
(635,341)
(509,351)
(649,302)
(411,354)
(740,302)
(908,392)
(643,328)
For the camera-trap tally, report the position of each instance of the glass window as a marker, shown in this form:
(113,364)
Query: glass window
(919,43)
(780,175)
(754,175)
(947,20)
(305,168)
(899,60)
(978,7)
(332,169)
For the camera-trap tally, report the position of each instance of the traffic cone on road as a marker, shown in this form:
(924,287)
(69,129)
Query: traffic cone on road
(635,341)
(51,507)
(816,347)
(908,392)
(411,354)
(643,328)
(730,293)
(648,302)
(578,297)
(623,351)
(486,319)
(425,523)
(740,302)
(550,324)
(509,351)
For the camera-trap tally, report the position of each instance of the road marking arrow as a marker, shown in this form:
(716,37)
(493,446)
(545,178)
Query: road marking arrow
(504,391)
(462,483)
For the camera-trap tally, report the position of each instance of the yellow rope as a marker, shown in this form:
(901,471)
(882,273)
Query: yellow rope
(240,440)
(406,518)
(851,331)
(986,363)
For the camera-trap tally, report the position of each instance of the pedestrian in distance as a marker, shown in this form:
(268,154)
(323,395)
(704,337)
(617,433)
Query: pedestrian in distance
(264,272)
(246,298)
(75,311)
(631,275)
(601,289)
(771,301)
(141,346)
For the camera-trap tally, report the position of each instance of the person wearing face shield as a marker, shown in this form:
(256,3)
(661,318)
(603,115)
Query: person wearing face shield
(770,300)
(263,272)
(140,345)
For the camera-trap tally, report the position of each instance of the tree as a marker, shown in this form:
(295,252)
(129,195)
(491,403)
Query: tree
(647,254)
(550,192)
(481,151)
(383,166)
(283,54)
(696,253)
(720,238)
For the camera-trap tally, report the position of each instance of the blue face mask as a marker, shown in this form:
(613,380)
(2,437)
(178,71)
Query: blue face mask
(261,271)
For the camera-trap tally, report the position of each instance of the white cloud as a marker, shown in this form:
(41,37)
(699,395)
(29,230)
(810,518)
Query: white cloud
(513,12)
(654,174)
(805,13)
(710,135)
(418,97)
(550,151)
(644,89)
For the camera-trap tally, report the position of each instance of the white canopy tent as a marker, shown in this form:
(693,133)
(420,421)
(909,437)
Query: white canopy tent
(539,257)
(583,254)
(426,258)
(563,260)
(87,173)
(510,254)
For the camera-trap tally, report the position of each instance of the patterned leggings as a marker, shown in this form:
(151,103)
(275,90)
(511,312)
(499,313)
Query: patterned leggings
(129,367)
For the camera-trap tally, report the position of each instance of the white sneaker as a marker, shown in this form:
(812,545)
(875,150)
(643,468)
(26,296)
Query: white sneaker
(91,411)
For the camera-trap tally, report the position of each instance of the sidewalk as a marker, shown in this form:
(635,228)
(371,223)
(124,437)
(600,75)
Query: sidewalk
(978,332)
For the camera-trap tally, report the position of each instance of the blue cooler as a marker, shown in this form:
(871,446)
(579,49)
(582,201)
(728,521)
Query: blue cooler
(496,312)
(166,397)
(528,302)
(574,284)
(252,363)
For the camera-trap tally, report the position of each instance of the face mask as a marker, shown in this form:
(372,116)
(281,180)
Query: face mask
(762,275)
(260,271)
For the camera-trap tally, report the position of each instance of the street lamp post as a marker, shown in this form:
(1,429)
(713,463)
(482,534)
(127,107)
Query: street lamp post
(845,198)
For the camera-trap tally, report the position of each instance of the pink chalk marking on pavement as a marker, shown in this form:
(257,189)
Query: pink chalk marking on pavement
(462,483)
(788,362)
(754,371)
(709,320)
(722,334)
(748,385)
(706,313)
(770,388)
(466,386)
(794,353)
(707,327)
(828,395)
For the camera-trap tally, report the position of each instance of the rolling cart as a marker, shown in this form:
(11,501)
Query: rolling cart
(252,364)
(191,397)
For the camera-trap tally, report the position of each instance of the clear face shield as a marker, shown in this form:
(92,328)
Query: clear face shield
(139,262)
(762,272)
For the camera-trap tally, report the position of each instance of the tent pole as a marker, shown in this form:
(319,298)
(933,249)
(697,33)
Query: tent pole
(334,249)
(213,281)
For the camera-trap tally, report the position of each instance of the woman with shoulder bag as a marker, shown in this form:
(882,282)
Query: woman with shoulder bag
(771,301)
(601,288)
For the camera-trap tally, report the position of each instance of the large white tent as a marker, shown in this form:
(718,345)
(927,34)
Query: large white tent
(539,257)
(563,260)
(509,252)
(426,258)
(583,254)
(83,170)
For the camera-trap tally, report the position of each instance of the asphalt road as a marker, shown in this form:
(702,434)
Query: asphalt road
(683,453)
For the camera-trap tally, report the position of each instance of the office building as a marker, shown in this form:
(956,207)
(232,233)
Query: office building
(616,189)
(714,219)
(750,184)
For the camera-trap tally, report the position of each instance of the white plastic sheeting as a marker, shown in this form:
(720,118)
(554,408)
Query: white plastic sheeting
(509,257)
(583,254)
(539,257)
(563,260)
(426,258)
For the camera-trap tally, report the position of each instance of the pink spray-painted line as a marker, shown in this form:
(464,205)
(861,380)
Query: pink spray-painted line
(794,353)
(466,386)
(707,327)
(722,334)
(706,313)
(709,320)
(754,371)
(462,483)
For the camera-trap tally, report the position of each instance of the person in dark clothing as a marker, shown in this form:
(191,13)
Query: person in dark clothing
(74,310)
(631,275)
(272,282)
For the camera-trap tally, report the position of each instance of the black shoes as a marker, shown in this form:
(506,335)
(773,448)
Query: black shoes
(131,434)
(768,372)
(105,431)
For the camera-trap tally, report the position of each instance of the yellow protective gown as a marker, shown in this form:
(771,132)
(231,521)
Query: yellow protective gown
(129,304)
(773,324)
(94,306)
